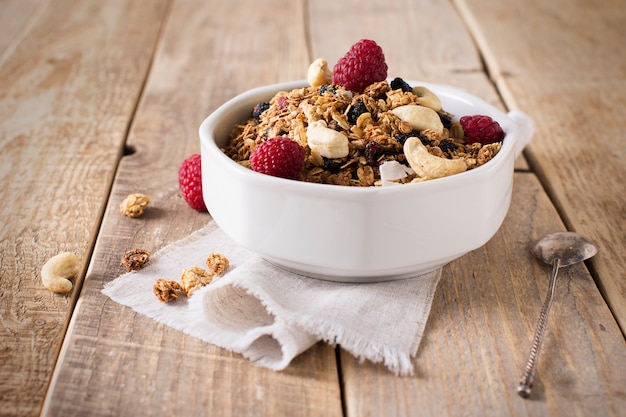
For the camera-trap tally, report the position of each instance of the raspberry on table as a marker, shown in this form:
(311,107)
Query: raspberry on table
(279,157)
(190,182)
(362,65)
(482,129)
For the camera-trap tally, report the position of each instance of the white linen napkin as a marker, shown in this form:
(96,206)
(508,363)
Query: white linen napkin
(270,315)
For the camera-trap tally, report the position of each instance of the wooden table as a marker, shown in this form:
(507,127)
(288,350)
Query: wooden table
(99,99)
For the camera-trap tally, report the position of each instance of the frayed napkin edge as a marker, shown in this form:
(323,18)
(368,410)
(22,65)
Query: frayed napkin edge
(398,362)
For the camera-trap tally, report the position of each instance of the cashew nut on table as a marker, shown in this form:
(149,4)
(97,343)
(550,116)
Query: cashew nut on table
(58,270)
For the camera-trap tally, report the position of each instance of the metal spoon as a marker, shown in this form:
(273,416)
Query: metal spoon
(559,250)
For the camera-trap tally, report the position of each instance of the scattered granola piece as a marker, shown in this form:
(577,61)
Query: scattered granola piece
(134,205)
(166,290)
(217,263)
(194,278)
(135,259)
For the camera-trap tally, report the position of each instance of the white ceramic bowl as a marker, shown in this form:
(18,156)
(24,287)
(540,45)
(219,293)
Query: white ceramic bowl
(355,234)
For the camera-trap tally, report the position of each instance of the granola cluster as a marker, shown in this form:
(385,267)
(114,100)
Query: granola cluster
(373,123)
(134,205)
(135,259)
(191,279)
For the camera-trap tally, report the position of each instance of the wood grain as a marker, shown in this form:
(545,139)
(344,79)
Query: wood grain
(15,17)
(483,318)
(68,90)
(196,68)
(480,330)
(102,99)
(560,62)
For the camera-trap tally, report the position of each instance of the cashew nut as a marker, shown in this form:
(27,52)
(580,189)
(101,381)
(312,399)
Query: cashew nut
(328,142)
(419,117)
(319,74)
(430,166)
(427,98)
(56,273)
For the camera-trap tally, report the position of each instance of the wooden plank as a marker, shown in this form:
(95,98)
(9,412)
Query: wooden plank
(198,65)
(480,330)
(14,18)
(67,95)
(560,62)
(481,326)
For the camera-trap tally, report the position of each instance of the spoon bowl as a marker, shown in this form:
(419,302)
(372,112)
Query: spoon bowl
(559,250)
(569,247)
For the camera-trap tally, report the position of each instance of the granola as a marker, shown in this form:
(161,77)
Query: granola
(376,123)
(135,259)
(195,277)
(217,263)
(166,290)
(134,205)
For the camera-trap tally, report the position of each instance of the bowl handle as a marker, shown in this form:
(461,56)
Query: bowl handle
(526,129)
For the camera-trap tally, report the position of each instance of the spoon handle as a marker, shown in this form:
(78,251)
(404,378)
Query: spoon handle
(526,381)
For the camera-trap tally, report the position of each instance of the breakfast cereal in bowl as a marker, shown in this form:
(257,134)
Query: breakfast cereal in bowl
(353,176)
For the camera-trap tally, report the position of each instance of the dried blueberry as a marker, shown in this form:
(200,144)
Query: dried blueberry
(260,108)
(425,141)
(399,83)
(402,137)
(331,88)
(446,119)
(356,110)
(447,146)
(332,165)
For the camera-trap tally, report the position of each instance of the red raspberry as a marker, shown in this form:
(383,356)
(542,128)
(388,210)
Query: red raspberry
(279,156)
(361,66)
(481,129)
(190,182)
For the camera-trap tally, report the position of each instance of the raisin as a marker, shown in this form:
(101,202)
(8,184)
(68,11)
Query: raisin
(399,83)
(334,125)
(373,150)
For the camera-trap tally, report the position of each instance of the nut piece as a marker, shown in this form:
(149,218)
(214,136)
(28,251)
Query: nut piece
(427,98)
(419,117)
(166,290)
(57,271)
(194,278)
(134,205)
(135,259)
(319,74)
(328,142)
(429,166)
(217,263)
